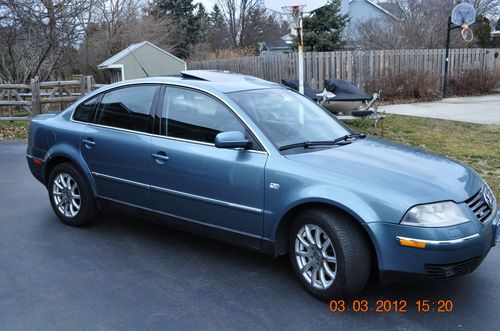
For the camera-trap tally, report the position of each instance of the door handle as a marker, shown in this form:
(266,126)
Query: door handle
(89,142)
(160,157)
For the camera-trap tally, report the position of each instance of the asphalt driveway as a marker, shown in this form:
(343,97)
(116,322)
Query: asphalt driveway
(128,274)
(483,109)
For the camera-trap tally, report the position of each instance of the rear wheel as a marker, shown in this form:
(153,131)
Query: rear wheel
(329,253)
(70,195)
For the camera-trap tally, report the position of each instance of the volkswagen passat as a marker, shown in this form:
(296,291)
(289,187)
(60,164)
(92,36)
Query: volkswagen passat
(255,164)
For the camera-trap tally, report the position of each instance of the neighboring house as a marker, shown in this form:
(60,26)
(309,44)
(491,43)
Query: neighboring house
(364,10)
(155,61)
(281,46)
(361,11)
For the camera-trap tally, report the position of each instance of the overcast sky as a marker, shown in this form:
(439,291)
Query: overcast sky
(209,4)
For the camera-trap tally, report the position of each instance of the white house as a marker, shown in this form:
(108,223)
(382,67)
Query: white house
(363,10)
(131,62)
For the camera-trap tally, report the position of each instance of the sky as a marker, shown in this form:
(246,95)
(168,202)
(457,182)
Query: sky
(209,4)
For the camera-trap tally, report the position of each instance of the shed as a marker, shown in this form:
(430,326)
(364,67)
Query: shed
(156,61)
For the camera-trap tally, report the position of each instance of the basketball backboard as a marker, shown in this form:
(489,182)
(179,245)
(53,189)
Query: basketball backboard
(310,5)
(463,13)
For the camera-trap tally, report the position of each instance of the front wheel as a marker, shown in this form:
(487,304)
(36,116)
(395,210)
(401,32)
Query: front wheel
(329,253)
(70,195)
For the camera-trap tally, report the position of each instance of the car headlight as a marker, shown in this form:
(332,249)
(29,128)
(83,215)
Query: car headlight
(435,215)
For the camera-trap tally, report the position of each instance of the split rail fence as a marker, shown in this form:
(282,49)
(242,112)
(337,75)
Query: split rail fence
(22,101)
(357,66)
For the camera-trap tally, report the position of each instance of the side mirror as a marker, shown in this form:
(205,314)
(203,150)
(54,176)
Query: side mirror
(231,139)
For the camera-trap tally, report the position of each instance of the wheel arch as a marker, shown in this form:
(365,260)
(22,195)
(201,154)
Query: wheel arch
(282,230)
(58,158)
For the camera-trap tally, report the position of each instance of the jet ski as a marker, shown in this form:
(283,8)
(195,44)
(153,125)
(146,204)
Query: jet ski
(339,97)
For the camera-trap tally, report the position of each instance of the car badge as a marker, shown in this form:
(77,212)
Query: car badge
(488,197)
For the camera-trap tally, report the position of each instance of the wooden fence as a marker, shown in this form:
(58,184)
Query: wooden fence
(356,66)
(21,101)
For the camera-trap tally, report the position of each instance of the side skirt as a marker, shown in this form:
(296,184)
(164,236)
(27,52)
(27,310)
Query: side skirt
(191,226)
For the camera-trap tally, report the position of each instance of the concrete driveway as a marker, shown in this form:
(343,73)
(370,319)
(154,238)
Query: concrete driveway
(128,274)
(482,109)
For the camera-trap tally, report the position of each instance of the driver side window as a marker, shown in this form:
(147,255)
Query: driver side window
(192,115)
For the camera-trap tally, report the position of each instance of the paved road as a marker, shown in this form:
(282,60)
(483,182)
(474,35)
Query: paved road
(482,109)
(127,274)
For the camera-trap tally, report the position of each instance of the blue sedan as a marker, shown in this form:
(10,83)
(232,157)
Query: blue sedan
(255,164)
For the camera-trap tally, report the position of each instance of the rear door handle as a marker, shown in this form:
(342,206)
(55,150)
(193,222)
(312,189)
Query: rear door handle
(160,157)
(89,142)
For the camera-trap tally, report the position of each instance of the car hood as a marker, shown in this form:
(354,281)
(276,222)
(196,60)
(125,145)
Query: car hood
(385,167)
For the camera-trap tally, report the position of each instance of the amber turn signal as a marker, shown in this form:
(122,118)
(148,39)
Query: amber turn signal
(411,243)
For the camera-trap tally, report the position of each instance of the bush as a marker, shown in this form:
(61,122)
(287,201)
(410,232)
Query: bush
(473,82)
(406,85)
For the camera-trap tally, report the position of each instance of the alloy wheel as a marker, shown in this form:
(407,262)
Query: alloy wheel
(315,256)
(66,195)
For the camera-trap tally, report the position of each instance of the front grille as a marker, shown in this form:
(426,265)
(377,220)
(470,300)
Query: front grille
(479,206)
(446,271)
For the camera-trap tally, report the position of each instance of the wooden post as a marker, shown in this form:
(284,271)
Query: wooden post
(83,85)
(89,82)
(9,95)
(36,105)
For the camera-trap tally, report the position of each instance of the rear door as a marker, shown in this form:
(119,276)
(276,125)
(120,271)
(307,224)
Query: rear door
(116,146)
(193,179)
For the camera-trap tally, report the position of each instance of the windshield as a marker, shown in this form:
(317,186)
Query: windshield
(287,117)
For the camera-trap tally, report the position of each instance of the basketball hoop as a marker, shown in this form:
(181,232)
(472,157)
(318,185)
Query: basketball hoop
(294,11)
(462,15)
(467,33)
(287,7)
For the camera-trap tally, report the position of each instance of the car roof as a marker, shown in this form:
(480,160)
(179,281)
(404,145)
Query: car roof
(223,81)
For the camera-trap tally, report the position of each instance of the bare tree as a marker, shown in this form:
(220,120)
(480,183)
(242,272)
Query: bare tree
(422,24)
(248,22)
(37,34)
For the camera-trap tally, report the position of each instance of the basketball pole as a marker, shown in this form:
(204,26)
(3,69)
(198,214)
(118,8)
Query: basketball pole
(447,60)
(300,45)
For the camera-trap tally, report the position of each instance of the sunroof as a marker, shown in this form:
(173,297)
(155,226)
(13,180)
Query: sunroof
(218,76)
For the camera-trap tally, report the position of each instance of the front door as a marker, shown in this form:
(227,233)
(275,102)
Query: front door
(194,180)
(116,146)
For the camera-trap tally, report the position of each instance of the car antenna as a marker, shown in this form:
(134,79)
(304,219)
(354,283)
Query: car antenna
(139,63)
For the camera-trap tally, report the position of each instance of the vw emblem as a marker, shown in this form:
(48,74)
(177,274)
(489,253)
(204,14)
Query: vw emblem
(488,197)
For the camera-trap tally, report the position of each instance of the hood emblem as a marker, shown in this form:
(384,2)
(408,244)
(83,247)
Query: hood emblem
(488,197)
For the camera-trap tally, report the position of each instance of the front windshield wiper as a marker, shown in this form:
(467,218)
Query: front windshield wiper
(349,137)
(339,141)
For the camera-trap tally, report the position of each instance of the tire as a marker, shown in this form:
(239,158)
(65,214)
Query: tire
(349,247)
(60,195)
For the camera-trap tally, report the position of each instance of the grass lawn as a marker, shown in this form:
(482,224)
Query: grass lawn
(475,144)
(13,130)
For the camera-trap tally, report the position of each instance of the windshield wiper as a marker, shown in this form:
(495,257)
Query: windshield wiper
(339,141)
(348,137)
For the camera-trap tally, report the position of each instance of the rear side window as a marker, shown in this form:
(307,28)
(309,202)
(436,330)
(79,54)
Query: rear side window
(83,112)
(127,108)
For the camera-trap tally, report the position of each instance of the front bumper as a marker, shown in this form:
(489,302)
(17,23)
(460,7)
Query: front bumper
(449,252)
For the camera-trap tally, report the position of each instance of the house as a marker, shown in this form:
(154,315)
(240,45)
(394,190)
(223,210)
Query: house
(155,61)
(364,10)
(280,46)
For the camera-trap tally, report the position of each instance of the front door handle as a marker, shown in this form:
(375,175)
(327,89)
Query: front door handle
(160,157)
(89,142)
